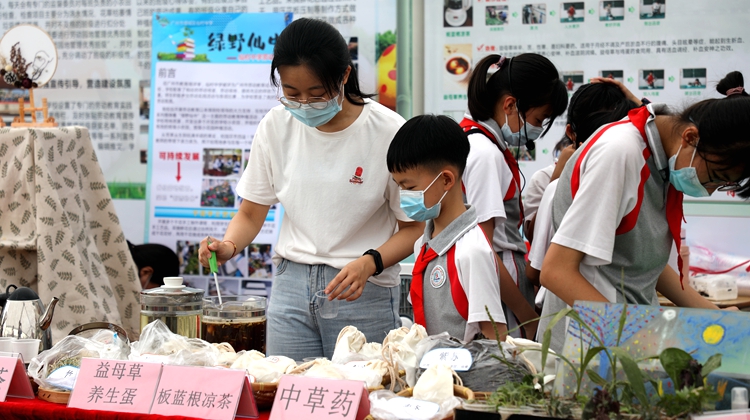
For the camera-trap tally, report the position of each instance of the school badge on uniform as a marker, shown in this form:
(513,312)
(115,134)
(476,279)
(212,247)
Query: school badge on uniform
(437,277)
(357,178)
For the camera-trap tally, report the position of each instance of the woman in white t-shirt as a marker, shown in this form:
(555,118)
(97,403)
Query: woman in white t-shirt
(322,155)
(507,111)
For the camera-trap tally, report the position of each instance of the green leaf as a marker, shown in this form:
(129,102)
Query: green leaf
(674,361)
(595,378)
(623,318)
(547,336)
(634,374)
(713,363)
(590,354)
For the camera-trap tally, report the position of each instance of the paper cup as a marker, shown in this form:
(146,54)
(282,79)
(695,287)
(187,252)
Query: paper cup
(5,344)
(28,347)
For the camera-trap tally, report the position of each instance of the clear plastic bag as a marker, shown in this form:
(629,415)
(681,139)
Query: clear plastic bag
(487,373)
(57,368)
(383,407)
(158,344)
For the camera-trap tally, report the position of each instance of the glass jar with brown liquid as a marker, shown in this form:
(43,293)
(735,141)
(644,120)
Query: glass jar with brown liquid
(238,320)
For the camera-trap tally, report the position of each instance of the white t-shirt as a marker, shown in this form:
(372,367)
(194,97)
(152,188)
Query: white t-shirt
(532,194)
(543,228)
(339,198)
(487,178)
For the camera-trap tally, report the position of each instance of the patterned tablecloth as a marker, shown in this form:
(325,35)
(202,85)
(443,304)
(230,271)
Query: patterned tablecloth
(59,231)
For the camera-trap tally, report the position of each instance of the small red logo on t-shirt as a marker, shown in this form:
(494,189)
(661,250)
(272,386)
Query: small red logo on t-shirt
(357,178)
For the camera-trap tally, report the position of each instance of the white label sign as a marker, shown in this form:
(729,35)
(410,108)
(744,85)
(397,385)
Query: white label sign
(458,359)
(64,377)
(409,408)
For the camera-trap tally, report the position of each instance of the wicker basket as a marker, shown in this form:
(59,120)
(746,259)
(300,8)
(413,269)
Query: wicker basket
(458,391)
(58,397)
(264,394)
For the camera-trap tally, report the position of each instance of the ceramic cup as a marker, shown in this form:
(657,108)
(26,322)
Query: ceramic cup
(28,347)
(172,281)
(328,309)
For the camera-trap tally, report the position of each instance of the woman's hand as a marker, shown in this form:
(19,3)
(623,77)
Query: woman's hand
(224,251)
(350,282)
(625,91)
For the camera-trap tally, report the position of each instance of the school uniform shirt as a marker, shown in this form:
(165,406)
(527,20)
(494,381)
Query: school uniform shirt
(339,198)
(532,193)
(550,303)
(460,281)
(491,189)
(613,199)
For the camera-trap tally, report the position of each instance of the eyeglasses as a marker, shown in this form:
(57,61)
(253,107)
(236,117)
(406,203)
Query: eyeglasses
(720,185)
(317,102)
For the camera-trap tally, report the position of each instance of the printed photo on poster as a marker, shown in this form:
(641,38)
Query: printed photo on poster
(226,286)
(653,9)
(613,74)
(522,154)
(651,79)
(187,254)
(260,265)
(496,15)
(693,79)
(611,10)
(572,79)
(534,13)
(222,162)
(572,12)
(255,288)
(197,282)
(234,267)
(144,98)
(457,67)
(218,192)
(457,13)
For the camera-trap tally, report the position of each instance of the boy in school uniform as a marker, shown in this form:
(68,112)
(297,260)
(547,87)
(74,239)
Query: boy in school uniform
(455,274)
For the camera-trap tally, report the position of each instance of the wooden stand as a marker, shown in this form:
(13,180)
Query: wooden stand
(20,120)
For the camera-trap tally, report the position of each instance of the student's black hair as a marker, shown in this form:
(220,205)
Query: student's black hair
(594,105)
(428,141)
(160,258)
(320,47)
(722,128)
(530,78)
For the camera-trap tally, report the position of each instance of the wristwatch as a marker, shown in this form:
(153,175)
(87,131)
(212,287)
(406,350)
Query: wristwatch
(378,260)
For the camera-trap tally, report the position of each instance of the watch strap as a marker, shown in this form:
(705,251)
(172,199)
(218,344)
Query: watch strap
(378,260)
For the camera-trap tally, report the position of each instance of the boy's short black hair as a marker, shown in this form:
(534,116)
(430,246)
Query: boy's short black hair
(429,141)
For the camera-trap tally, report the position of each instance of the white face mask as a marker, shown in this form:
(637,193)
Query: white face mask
(520,138)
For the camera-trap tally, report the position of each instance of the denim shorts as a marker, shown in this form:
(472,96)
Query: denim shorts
(296,330)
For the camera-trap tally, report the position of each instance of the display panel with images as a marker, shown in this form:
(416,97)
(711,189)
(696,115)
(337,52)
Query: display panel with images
(534,13)
(613,74)
(693,79)
(653,9)
(496,15)
(572,80)
(572,12)
(457,13)
(611,10)
(651,79)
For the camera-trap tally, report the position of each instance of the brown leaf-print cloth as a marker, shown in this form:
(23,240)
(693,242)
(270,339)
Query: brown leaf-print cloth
(59,232)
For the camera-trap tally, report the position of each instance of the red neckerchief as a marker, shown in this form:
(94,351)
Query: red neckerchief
(468,125)
(417,286)
(638,117)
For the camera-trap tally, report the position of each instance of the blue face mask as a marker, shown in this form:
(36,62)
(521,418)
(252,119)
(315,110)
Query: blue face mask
(686,179)
(412,203)
(519,138)
(316,117)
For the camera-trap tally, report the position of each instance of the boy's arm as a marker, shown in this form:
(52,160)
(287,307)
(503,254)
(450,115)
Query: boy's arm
(489,331)
(669,286)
